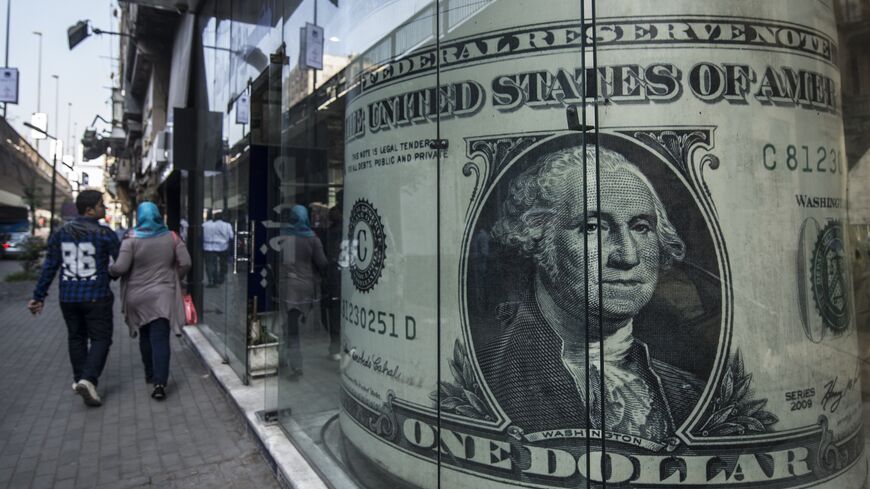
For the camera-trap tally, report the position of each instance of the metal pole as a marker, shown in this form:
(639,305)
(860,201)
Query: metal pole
(39,75)
(39,85)
(68,118)
(314,89)
(53,192)
(56,110)
(6,62)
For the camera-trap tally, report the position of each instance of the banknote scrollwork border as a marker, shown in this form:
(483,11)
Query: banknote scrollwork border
(734,410)
(677,146)
(489,155)
(463,396)
(835,455)
(380,419)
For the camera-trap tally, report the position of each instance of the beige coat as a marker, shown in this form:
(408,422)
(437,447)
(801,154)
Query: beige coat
(302,264)
(151,270)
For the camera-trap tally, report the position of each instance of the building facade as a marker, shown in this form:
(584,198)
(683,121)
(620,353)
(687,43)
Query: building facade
(502,245)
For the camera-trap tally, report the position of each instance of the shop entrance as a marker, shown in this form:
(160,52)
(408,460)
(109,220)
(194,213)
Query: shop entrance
(226,252)
(254,301)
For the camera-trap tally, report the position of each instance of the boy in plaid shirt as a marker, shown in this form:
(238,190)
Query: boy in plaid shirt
(82,248)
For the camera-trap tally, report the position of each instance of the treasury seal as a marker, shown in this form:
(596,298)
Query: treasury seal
(828,276)
(368,245)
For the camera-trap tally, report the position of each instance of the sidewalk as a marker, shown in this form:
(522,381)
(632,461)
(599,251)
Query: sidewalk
(50,439)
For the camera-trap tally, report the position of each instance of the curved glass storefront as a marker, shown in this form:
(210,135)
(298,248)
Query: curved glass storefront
(507,243)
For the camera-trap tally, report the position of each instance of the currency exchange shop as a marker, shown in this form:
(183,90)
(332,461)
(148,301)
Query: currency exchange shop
(569,243)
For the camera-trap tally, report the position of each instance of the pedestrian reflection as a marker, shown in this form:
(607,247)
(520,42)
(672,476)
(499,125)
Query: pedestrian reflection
(301,265)
(332,288)
(216,237)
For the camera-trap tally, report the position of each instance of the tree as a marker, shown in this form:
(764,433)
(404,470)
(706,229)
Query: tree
(32,196)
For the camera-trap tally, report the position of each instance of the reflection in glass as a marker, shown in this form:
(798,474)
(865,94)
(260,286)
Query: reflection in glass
(302,264)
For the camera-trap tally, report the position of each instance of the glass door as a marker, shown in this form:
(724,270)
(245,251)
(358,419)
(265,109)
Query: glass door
(242,258)
(264,294)
(306,200)
(217,241)
(358,287)
(226,250)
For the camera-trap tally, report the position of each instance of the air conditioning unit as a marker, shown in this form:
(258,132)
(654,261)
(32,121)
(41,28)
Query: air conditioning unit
(163,147)
(123,170)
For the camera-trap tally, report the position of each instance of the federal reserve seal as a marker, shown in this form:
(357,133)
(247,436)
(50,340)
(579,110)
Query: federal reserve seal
(368,245)
(829,277)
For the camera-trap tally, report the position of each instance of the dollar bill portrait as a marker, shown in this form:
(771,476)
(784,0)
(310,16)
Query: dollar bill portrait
(536,364)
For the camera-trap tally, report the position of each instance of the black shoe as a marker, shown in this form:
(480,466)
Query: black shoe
(159,392)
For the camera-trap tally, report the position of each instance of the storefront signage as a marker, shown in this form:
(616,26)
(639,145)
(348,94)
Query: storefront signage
(9,85)
(312,47)
(631,273)
(243,109)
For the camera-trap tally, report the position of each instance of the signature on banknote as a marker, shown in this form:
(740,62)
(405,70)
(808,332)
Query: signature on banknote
(834,394)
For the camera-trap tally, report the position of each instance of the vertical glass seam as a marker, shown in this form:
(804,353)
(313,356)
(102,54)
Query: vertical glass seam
(437,33)
(588,417)
(600,249)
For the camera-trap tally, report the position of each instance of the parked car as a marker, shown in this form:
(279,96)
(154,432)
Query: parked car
(14,230)
(13,244)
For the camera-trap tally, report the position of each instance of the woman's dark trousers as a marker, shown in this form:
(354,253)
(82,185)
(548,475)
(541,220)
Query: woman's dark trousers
(154,347)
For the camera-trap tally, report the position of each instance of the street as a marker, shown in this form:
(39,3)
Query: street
(50,439)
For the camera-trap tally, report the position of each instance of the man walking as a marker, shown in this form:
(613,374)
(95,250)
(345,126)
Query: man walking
(82,248)
(216,236)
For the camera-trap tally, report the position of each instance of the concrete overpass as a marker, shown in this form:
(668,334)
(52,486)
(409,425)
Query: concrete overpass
(25,176)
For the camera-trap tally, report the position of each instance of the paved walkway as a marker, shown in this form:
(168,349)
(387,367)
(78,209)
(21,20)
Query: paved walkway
(49,439)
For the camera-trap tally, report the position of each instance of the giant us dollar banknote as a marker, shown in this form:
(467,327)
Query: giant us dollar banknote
(601,244)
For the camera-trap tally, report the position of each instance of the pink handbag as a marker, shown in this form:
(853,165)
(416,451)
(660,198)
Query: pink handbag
(190,316)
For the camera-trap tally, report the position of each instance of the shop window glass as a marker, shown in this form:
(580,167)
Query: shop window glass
(500,244)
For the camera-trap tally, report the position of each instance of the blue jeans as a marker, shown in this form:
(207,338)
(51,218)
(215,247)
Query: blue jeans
(154,347)
(88,321)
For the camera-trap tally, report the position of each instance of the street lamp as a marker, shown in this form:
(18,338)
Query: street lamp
(53,175)
(79,32)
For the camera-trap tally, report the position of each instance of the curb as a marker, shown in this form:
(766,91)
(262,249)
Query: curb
(290,468)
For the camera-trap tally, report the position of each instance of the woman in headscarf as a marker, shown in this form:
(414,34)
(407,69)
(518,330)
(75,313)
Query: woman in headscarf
(303,263)
(151,264)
